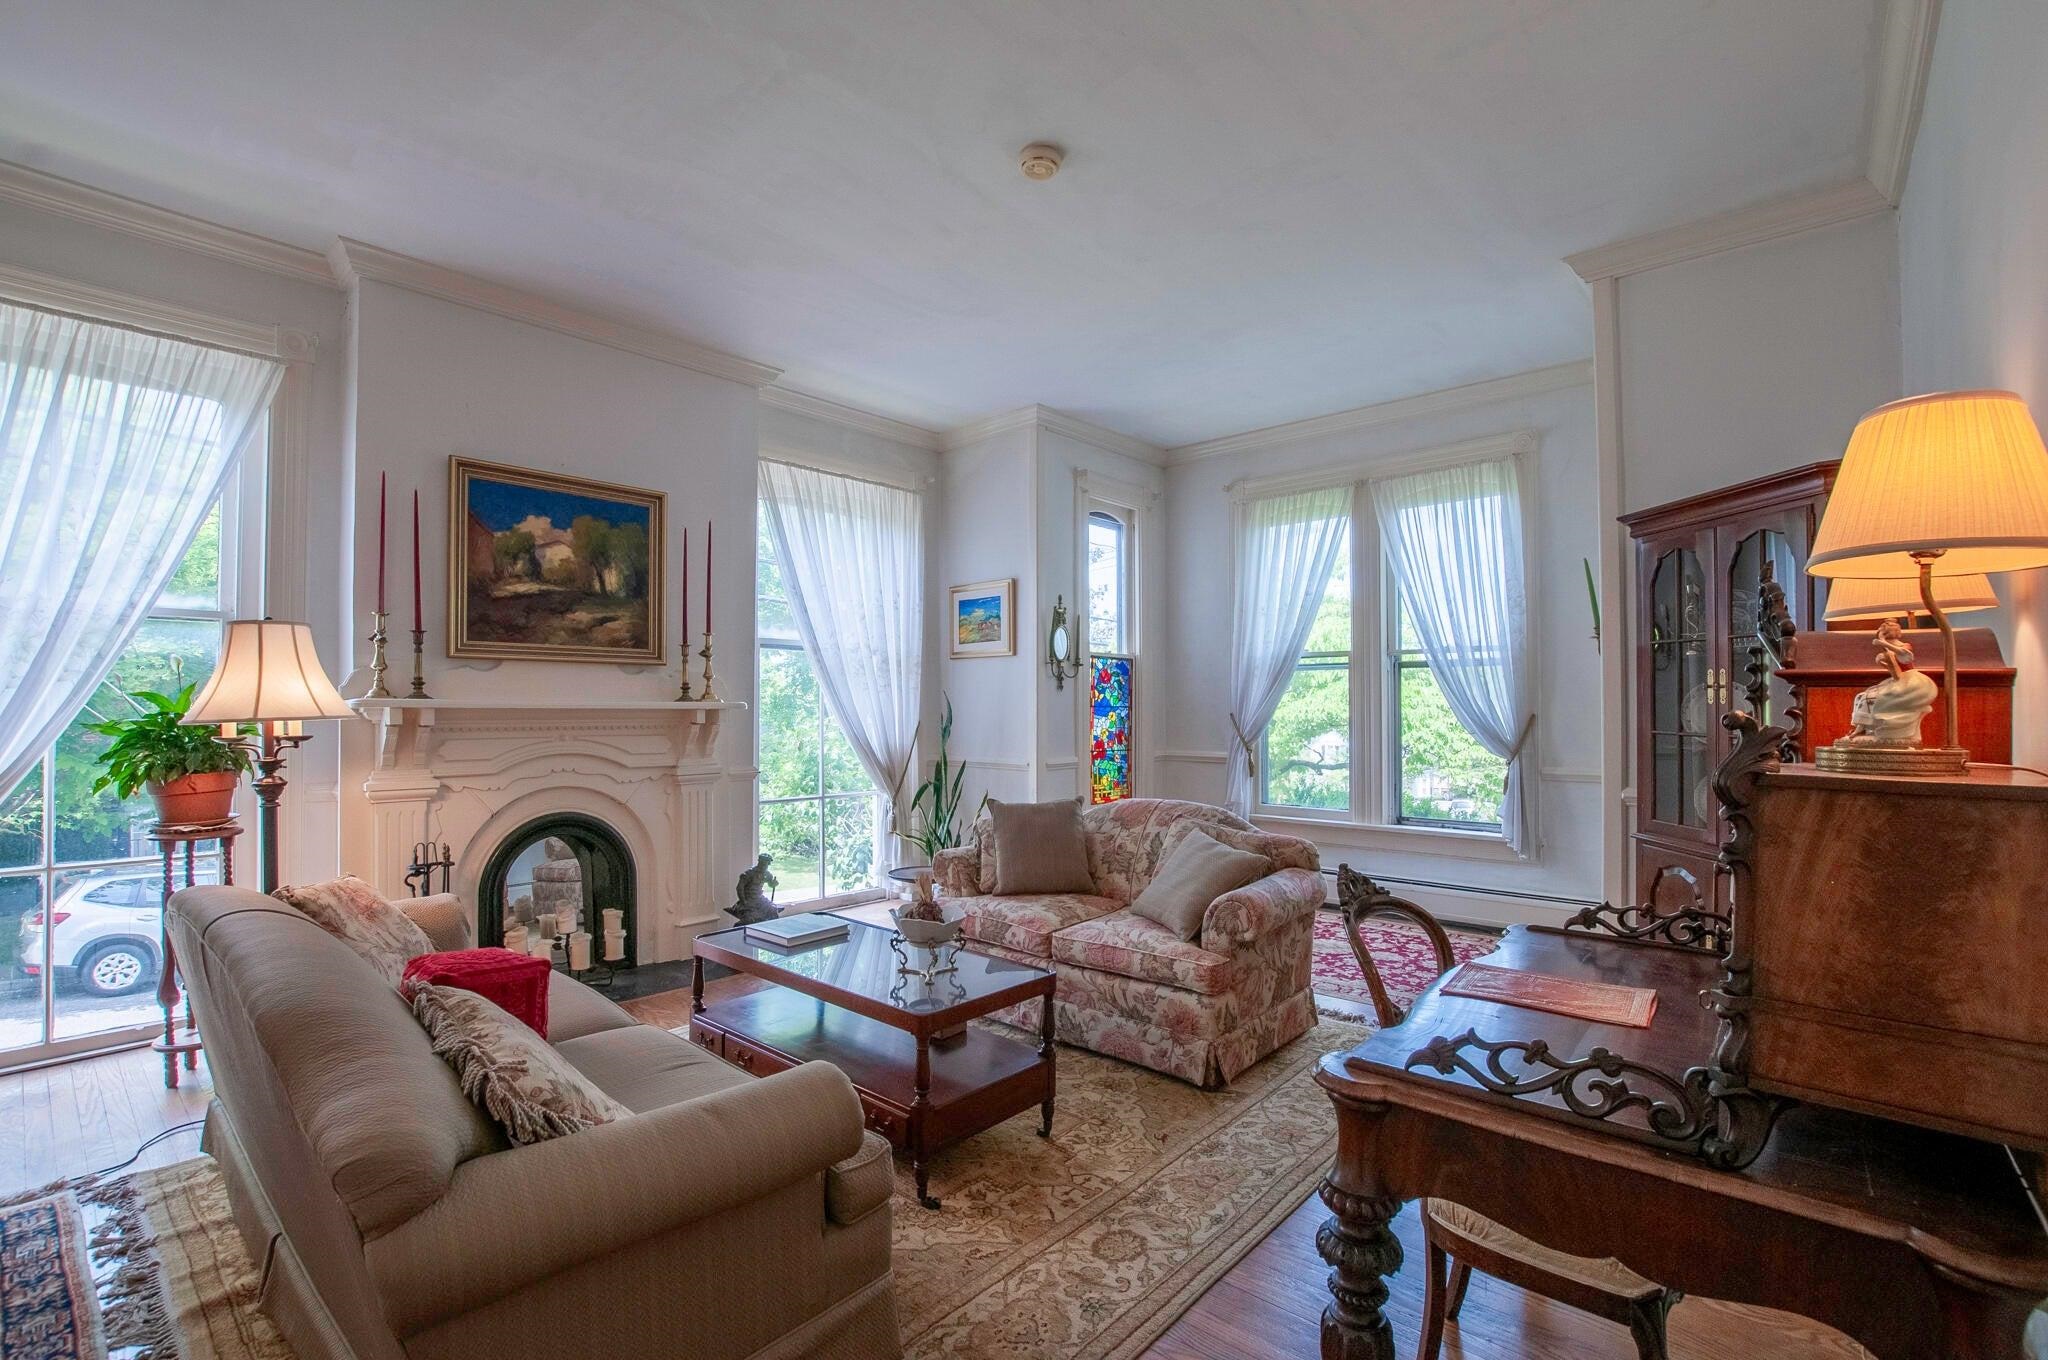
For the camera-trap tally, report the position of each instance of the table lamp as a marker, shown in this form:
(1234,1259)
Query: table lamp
(269,674)
(1952,484)
(1878,598)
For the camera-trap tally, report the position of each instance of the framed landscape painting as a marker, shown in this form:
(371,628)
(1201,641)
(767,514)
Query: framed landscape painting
(981,619)
(548,567)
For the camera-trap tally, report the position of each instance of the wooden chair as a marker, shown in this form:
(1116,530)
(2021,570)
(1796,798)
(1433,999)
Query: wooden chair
(1458,1240)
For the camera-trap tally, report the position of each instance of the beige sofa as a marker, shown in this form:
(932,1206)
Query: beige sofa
(729,1217)
(1203,1009)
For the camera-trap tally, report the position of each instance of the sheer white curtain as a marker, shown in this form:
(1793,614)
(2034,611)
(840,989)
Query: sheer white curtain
(1452,538)
(114,443)
(852,559)
(1286,546)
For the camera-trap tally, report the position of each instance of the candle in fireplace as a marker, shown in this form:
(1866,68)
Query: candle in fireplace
(579,951)
(614,945)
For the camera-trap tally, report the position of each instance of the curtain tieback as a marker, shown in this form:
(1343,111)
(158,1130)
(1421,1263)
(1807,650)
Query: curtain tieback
(1514,752)
(1251,751)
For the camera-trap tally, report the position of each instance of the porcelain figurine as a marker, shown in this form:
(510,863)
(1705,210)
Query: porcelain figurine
(1889,712)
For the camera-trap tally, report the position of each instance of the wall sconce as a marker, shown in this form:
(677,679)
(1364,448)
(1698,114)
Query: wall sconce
(1059,646)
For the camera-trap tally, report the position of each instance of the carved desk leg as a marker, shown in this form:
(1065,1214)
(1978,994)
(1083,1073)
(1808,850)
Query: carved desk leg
(1358,1242)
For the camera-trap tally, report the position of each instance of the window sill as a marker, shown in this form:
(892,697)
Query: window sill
(1423,840)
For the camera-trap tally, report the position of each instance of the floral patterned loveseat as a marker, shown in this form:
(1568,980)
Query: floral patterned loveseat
(1204,1009)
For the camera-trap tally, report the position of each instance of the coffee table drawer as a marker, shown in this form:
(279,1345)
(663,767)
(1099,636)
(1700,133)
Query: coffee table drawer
(753,1058)
(886,1120)
(708,1039)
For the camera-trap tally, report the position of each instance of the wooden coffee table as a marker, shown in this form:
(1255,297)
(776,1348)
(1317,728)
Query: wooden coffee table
(846,1002)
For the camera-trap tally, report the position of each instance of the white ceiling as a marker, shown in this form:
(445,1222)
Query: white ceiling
(1270,209)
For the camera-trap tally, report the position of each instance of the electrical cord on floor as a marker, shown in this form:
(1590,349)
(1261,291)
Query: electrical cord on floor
(149,1143)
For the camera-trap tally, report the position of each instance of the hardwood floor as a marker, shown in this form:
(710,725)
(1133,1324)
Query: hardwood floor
(82,1116)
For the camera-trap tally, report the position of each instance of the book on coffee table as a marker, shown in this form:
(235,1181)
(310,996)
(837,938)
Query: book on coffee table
(804,928)
(1600,1002)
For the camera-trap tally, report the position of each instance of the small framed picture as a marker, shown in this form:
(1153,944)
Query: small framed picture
(982,619)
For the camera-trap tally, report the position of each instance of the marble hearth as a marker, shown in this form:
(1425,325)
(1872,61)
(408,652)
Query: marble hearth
(471,772)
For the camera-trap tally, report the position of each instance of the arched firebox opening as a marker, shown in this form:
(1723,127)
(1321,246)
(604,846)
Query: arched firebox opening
(566,864)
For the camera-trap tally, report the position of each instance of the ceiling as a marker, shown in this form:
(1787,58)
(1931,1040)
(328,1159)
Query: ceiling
(1269,210)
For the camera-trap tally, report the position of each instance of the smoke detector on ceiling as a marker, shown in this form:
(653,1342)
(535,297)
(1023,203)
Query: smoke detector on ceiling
(1040,160)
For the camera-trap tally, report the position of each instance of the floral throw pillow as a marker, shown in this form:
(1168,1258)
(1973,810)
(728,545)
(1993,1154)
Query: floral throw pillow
(506,1069)
(357,915)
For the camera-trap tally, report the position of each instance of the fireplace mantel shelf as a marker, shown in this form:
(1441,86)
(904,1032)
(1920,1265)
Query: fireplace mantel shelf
(369,706)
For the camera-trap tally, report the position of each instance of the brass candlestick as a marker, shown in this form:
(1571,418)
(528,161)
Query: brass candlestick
(378,664)
(419,670)
(684,696)
(708,696)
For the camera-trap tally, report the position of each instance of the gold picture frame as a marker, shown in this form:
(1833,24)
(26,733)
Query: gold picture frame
(981,619)
(523,585)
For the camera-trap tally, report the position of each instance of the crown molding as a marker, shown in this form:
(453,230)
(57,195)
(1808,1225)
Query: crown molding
(1059,422)
(1730,231)
(1905,50)
(80,203)
(352,262)
(1098,436)
(1513,444)
(850,417)
(1536,381)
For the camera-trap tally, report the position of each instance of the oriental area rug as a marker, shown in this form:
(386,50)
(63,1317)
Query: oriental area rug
(144,1267)
(1401,951)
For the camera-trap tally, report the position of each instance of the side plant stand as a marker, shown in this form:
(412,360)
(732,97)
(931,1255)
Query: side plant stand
(183,1040)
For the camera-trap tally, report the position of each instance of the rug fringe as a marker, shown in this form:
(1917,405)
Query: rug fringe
(134,1301)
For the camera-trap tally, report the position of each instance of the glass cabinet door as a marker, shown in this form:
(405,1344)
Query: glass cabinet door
(1746,613)
(1680,698)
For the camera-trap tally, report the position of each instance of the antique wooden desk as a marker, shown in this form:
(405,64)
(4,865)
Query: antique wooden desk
(1916,1243)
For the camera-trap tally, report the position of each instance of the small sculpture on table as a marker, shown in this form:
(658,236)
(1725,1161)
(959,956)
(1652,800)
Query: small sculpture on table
(755,894)
(1884,721)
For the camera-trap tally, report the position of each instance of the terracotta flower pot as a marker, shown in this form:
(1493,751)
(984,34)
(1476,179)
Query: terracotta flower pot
(197,799)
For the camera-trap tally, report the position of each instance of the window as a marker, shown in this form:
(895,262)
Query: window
(817,812)
(1111,661)
(1364,733)
(1445,777)
(80,885)
(1306,763)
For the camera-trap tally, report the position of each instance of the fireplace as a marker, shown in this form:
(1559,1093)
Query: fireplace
(567,865)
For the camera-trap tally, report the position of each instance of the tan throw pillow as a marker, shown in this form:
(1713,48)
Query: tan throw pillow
(357,915)
(1281,852)
(1040,848)
(506,1069)
(1198,871)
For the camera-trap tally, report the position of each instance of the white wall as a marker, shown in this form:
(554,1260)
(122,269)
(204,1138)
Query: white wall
(990,508)
(1194,671)
(434,379)
(1973,264)
(1756,360)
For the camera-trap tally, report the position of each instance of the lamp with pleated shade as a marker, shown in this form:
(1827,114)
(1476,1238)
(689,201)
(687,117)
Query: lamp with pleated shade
(1854,597)
(1944,485)
(269,674)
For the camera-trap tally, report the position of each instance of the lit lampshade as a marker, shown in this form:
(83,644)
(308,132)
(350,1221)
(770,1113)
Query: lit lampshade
(1854,597)
(268,672)
(1963,474)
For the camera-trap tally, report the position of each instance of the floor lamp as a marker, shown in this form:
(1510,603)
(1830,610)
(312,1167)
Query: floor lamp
(270,675)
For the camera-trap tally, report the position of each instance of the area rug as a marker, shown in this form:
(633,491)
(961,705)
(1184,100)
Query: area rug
(1401,951)
(144,1267)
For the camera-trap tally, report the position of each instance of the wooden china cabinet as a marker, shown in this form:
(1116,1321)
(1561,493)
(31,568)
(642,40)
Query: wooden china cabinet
(1698,613)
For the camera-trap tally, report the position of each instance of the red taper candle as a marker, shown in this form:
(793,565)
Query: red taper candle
(686,588)
(380,542)
(416,625)
(707,576)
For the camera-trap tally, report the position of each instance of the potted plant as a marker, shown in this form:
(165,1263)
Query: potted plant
(936,801)
(189,773)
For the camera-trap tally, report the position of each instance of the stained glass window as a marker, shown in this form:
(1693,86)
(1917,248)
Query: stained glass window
(1109,704)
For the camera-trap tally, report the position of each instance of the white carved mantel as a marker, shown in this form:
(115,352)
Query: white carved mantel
(468,772)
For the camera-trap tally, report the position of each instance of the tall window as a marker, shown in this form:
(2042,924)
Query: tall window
(819,814)
(1111,660)
(1445,777)
(80,885)
(1364,732)
(1307,759)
